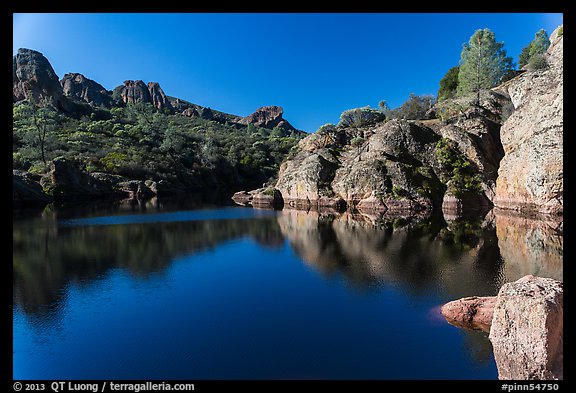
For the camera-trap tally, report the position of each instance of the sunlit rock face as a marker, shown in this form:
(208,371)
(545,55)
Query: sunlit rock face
(137,91)
(34,78)
(527,331)
(267,117)
(530,176)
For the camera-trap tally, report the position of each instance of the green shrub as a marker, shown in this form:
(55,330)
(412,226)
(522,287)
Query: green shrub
(113,161)
(537,62)
(359,117)
(461,174)
(448,84)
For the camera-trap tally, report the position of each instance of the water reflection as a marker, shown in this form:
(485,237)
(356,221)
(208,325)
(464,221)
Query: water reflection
(459,257)
(47,256)
(443,258)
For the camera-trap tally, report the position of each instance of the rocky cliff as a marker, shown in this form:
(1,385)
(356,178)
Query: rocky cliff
(505,150)
(131,92)
(157,96)
(77,85)
(413,166)
(34,78)
(530,176)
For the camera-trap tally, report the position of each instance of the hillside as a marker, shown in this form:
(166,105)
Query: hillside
(74,138)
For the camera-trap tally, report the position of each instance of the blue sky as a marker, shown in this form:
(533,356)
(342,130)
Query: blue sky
(313,65)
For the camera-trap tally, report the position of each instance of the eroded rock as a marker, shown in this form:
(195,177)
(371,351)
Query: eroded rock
(528,329)
(267,117)
(470,312)
(34,78)
(77,85)
(530,176)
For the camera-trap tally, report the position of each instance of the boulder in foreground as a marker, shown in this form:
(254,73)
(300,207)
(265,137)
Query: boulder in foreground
(527,329)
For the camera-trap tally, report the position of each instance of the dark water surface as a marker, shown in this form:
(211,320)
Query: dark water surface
(196,291)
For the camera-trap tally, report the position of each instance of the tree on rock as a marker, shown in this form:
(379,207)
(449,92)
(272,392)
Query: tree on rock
(483,63)
(534,51)
(448,84)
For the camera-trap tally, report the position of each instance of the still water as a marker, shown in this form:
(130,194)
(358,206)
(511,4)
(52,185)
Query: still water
(162,291)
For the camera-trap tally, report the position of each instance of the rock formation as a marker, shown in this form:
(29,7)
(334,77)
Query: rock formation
(157,96)
(475,156)
(398,165)
(137,91)
(526,326)
(133,91)
(267,117)
(530,176)
(470,312)
(27,189)
(65,181)
(77,85)
(528,329)
(262,197)
(34,78)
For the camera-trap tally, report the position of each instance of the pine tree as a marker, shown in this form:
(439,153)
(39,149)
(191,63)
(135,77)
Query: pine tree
(537,47)
(448,84)
(540,43)
(483,63)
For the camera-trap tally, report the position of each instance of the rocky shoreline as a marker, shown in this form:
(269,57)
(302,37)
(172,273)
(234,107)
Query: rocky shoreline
(66,182)
(505,151)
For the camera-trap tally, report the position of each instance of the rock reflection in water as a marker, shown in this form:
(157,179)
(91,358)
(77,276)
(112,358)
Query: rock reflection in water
(460,256)
(450,257)
(439,258)
(531,245)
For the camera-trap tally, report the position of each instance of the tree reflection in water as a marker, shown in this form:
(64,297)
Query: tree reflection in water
(447,257)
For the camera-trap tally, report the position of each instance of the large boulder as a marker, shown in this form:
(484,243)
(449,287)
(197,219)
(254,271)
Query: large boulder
(34,78)
(26,188)
(66,181)
(381,167)
(528,329)
(307,177)
(77,85)
(530,176)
